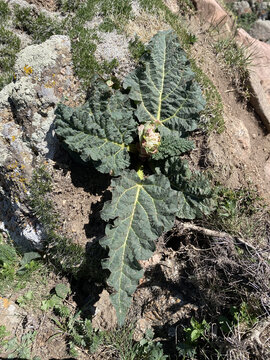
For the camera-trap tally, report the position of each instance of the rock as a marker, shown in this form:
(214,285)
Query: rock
(267,170)
(242,7)
(142,326)
(44,77)
(260,30)
(105,314)
(241,135)
(172,5)
(213,14)
(262,9)
(259,74)
(115,46)
(10,314)
(257,52)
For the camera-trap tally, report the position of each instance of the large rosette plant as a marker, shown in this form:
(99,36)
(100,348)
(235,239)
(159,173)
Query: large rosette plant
(151,116)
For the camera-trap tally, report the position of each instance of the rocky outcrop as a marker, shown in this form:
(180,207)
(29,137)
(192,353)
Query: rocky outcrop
(242,7)
(43,78)
(260,30)
(259,74)
(257,52)
(213,14)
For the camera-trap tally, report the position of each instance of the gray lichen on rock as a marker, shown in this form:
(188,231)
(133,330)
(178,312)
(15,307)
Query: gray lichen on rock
(44,77)
(115,46)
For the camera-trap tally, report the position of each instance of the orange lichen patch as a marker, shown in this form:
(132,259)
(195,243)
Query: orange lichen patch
(28,70)
(6,302)
(13,138)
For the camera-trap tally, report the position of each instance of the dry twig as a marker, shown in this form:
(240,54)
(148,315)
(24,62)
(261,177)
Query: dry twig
(220,234)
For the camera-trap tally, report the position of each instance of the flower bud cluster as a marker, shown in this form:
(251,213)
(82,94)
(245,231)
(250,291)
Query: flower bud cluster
(149,139)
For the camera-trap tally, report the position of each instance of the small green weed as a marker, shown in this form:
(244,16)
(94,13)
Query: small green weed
(26,299)
(196,331)
(61,251)
(4,334)
(9,46)
(119,343)
(14,268)
(55,302)
(237,61)
(198,337)
(116,8)
(238,315)
(21,349)
(246,21)
(4,11)
(18,272)
(108,25)
(212,115)
(136,48)
(8,260)
(40,27)
(241,212)
(68,5)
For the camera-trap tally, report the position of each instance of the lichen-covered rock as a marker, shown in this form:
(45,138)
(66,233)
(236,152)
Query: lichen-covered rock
(242,7)
(115,46)
(260,30)
(44,77)
(10,315)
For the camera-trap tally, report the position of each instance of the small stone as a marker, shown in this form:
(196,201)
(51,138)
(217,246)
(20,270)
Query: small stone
(141,327)
(261,30)
(9,314)
(267,170)
(105,314)
(172,5)
(254,136)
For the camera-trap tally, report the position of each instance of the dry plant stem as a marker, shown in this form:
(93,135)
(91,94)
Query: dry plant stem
(219,234)
(258,330)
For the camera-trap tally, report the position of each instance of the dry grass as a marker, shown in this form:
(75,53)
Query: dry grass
(146,25)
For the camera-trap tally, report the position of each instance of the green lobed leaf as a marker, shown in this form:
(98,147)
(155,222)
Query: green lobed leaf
(141,210)
(164,86)
(62,290)
(100,130)
(172,145)
(194,191)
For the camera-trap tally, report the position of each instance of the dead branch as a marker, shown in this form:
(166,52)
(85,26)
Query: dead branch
(219,234)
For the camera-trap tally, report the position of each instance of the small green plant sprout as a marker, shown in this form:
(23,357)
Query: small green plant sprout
(25,299)
(137,135)
(4,334)
(21,349)
(55,302)
(196,331)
